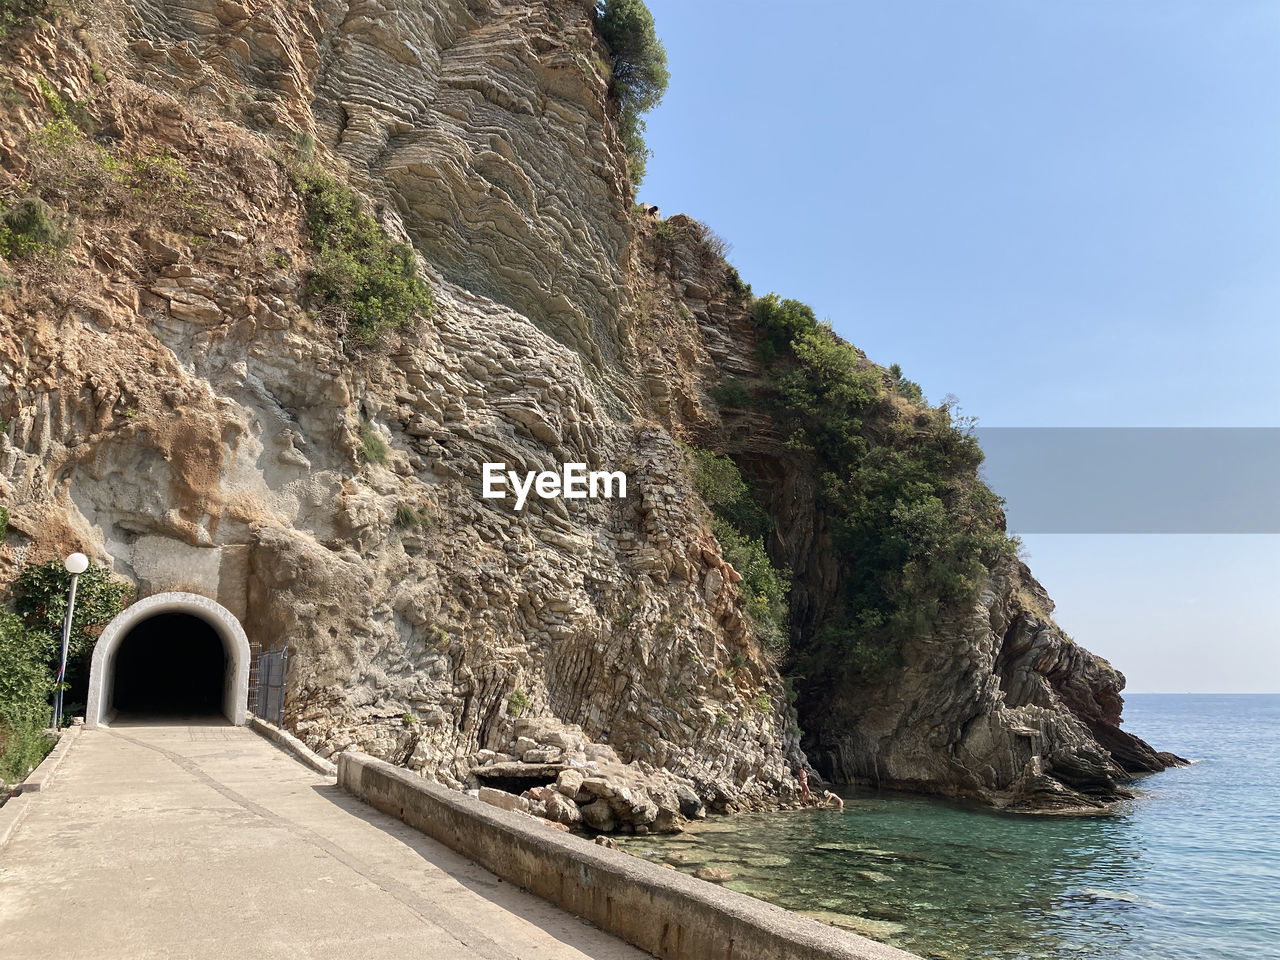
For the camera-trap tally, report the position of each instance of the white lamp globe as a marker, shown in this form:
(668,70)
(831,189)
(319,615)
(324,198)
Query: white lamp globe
(77,563)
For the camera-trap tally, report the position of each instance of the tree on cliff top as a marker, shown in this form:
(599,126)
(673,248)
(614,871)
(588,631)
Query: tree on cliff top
(639,63)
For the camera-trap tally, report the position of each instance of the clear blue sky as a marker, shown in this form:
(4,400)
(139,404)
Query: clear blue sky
(1066,214)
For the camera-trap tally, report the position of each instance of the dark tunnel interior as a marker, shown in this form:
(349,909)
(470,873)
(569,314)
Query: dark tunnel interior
(171,664)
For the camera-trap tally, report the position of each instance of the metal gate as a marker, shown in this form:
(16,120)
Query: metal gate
(272,665)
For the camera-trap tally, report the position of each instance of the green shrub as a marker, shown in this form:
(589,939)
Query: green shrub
(639,65)
(4,523)
(720,484)
(41,603)
(26,678)
(716,478)
(16,13)
(359,271)
(28,227)
(732,394)
(410,515)
(741,525)
(914,527)
(25,685)
(764,588)
(73,112)
(305,144)
(372,447)
(518,703)
(81,178)
(737,287)
(906,388)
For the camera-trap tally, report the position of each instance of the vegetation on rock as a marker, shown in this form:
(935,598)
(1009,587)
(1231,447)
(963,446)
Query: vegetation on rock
(372,447)
(906,388)
(741,525)
(409,515)
(915,528)
(371,280)
(639,66)
(28,227)
(71,177)
(518,703)
(14,13)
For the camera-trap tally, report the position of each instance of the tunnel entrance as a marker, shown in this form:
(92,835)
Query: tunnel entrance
(170,655)
(169,665)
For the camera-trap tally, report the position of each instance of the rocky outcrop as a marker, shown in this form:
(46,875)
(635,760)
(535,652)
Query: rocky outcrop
(998,705)
(579,784)
(481,124)
(1001,707)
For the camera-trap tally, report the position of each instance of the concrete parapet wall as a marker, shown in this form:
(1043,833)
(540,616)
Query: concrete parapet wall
(669,914)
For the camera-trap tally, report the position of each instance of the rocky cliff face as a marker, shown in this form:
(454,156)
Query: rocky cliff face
(997,705)
(174,409)
(175,405)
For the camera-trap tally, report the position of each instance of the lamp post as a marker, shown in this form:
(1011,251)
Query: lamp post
(76,564)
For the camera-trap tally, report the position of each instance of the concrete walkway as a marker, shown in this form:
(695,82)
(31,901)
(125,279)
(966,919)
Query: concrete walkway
(165,841)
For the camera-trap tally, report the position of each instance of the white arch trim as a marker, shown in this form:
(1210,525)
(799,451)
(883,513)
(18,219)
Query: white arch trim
(102,668)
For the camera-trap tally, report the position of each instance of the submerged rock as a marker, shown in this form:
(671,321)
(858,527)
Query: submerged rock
(713,874)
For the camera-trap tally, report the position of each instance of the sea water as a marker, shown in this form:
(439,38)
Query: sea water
(1190,870)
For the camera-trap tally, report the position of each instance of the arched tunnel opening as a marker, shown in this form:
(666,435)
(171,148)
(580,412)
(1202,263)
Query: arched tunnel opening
(172,664)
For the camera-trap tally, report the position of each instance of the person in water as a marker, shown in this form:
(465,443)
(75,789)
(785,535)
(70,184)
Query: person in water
(830,799)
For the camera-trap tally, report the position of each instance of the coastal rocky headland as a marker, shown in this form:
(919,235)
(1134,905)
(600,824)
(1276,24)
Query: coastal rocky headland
(180,401)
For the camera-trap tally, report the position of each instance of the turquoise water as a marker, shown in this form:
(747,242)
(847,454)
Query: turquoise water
(1189,871)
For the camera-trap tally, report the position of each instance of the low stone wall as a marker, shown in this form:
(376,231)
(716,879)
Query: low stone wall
(667,913)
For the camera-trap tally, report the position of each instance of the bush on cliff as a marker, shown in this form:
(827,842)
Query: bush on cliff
(28,227)
(638,62)
(15,13)
(359,271)
(70,177)
(764,587)
(906,388)
(914,528)
(742,525)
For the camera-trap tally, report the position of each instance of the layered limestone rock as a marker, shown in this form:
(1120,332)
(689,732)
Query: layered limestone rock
(482,123)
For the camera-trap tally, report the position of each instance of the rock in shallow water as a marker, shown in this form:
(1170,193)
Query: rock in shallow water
(713,874)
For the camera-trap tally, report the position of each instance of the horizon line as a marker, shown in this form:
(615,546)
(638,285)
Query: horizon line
(1200,693)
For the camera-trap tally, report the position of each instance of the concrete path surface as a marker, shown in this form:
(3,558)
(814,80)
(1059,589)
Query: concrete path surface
(194,841)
